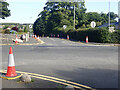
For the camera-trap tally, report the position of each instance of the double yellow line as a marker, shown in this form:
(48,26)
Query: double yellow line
(56,80)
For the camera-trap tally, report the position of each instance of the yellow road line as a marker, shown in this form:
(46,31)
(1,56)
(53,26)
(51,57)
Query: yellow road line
(56,81)
(11,77)
(22,44)
(42,42)
(3,38)
(50,78)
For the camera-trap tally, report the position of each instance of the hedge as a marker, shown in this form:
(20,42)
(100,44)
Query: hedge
(99,35)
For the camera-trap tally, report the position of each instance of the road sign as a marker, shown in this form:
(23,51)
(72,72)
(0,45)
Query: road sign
(93,24)
(30,26)
(64,26)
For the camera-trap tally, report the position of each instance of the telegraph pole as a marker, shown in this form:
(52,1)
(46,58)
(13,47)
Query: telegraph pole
(109,13)
(74,18)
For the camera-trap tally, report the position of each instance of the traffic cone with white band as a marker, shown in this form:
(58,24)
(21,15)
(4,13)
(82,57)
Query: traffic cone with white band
(67,37)
(16,41)
(58,35)
(86,39)
(38,38)
(11,72)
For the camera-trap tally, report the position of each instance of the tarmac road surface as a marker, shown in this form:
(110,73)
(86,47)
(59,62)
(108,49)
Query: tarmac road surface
(90,65)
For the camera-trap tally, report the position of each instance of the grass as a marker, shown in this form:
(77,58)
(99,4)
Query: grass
(32,80)
(21,33)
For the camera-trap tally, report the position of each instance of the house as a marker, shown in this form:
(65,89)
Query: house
(117,25)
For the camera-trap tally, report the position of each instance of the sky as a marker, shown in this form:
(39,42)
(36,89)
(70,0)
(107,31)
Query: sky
(26,11)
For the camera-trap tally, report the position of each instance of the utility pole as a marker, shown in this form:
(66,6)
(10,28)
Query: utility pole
(109,13)
(74,17)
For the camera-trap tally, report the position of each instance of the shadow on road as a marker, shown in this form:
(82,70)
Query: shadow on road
(95,78)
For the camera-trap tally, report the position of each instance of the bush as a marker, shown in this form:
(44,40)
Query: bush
(115,37)
(7,32)
(15,28)
(25,29)
(100,35)
(104,35)
(6,26)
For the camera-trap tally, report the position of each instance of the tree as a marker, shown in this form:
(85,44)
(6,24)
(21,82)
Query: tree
(4,11)
(104,18)
(57,14)
(25,29)
(112,15)
(93,16)
(15,28)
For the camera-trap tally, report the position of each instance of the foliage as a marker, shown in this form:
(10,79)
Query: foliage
(15,28)
(4,12)
(7,32)
(25,29)
(100,35)
(57,14)
(115,37)
(6,26)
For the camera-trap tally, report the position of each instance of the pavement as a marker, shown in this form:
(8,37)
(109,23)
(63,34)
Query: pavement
(95,66)
(7,39)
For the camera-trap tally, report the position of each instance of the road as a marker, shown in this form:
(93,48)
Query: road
(90,65)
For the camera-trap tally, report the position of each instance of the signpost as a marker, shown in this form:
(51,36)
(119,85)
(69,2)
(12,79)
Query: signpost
(64,27)
(93,24)
(30,27)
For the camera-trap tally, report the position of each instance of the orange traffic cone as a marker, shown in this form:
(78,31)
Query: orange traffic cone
(11,72)
(38,38)
(16,41)
(67,37)
(58,35)
(86,39)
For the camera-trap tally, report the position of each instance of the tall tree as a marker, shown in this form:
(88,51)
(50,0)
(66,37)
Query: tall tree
(57,14)
(4,11)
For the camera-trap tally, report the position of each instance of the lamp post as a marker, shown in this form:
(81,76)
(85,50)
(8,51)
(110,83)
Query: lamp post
(74,19)
(30,26)
(109,14)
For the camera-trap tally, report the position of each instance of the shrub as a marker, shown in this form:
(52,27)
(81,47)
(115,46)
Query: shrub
(6,26)
(15,28)
(25,29)
(115,37)
(7,31)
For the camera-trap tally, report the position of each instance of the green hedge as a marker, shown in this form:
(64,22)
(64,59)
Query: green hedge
(99,35)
